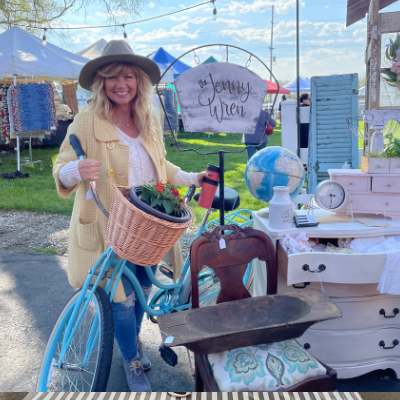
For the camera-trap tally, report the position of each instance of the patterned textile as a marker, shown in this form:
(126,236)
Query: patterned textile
(195,396)
(33,107)
(4,111)
(266,367)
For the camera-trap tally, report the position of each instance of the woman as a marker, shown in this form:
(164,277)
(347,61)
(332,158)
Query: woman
(121,136)
(258,134)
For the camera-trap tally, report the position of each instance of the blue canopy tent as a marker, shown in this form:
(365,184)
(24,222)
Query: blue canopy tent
(305,85)
(164,60)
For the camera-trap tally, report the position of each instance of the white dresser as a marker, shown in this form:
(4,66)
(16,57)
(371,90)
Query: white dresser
(367,336)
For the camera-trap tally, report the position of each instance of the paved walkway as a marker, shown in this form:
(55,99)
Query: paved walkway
(34,290)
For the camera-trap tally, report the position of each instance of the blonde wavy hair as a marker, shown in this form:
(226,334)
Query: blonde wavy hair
(145,118)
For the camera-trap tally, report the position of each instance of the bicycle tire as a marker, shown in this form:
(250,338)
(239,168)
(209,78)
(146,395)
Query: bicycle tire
(101,357)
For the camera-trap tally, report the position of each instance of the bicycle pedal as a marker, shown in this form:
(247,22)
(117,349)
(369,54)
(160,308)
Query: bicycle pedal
(168,355)
(166,271)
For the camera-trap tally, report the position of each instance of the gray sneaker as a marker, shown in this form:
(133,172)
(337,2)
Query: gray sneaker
(135,376)
(146,364)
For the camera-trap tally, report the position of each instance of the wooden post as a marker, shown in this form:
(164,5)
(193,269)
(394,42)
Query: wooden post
(373,61)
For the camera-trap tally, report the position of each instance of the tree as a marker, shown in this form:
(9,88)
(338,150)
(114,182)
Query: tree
(44,13)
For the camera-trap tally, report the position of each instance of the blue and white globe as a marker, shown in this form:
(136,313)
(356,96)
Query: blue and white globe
(274,166)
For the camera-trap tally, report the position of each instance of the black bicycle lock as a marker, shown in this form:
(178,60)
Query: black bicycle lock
(76,145)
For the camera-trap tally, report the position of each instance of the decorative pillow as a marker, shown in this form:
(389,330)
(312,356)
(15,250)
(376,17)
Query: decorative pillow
(265,367)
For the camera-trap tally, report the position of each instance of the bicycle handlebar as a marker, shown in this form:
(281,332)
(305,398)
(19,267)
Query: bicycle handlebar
(190,193)
(76,145)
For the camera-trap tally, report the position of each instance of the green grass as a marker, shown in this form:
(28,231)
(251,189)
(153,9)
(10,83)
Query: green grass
(38,192)
(361,131)
(235,164)
(43,250)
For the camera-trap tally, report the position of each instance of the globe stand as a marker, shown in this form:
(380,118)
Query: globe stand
(221,153)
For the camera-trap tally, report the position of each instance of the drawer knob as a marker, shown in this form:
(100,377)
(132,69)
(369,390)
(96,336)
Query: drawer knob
(307,346)
(386,204)
(389,184)
(305,284)
(395,343)
(351,183)
(321,268)
(379,165)
(383,312)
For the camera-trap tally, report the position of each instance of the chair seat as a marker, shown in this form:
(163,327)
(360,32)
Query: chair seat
(267,367)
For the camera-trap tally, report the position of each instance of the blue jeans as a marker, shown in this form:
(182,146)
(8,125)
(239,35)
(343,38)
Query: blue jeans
(128,315)
(252,150)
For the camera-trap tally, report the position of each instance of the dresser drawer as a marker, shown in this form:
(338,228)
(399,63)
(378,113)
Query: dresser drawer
(355,184)
(364,313)
(353,346)
(395,166)
(330,267)
(386,184)
(375,203)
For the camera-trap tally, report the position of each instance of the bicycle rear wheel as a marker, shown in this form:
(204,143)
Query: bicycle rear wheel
(87,361)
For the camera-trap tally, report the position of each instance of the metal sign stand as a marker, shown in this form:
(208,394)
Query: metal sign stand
(221,153)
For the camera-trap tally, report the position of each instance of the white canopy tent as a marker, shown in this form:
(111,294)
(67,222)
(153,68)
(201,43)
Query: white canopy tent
(94,50)
(23,55)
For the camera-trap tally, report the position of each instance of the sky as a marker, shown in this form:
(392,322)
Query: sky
(326,45)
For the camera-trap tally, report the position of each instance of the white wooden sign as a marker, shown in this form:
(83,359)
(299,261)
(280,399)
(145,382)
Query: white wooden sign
(220,97)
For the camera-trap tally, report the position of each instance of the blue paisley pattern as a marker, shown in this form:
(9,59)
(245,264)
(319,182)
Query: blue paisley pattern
(276,368)
(244,366)
(265,367)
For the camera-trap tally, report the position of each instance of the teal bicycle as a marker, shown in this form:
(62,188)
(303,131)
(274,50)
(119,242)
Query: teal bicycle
(79,351)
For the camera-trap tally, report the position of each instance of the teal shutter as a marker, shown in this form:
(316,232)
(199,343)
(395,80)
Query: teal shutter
(330,142)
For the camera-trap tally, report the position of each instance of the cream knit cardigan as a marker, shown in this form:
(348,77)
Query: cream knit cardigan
(100,141)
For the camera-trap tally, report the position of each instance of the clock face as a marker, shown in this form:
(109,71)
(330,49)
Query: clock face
(330,195)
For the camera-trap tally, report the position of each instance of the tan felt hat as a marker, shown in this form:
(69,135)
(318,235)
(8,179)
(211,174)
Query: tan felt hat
(117,51)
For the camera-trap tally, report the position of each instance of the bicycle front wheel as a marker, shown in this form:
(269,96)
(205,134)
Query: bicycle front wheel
(86,364)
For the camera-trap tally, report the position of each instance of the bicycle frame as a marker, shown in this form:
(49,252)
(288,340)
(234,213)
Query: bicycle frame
(107,261)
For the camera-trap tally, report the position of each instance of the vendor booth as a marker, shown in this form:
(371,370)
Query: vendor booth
(27,70)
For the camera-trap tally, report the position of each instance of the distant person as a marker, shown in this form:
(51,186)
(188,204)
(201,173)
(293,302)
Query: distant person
(256,137)
(280,103)
(304,128)
(305,100)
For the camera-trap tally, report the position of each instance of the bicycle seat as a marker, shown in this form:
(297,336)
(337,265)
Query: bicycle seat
(231,199)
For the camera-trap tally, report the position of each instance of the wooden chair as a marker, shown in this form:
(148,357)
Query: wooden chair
(229,264)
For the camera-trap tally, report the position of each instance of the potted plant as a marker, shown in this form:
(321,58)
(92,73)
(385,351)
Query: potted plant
(385,161)
(161,200)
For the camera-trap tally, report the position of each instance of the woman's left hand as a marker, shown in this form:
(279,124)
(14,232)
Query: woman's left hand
(201,176)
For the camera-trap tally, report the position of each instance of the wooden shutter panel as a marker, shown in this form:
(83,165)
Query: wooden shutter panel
(331,143)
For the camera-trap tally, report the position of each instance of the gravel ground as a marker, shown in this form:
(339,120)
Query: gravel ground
(27,232)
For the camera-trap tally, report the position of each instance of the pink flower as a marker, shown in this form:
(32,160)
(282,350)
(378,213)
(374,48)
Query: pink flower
(396,67)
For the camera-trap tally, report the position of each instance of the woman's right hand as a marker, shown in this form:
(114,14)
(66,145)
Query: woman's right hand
(89,169)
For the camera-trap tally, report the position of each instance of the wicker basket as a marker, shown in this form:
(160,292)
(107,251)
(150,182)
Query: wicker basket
(137,236)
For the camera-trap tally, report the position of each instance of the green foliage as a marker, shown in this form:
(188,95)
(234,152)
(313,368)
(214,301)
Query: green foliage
(392,149)
(162,197)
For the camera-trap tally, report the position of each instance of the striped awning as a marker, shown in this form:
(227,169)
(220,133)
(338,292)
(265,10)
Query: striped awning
(197,396)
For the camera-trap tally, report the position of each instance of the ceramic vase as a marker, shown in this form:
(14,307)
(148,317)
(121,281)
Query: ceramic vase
(281,209)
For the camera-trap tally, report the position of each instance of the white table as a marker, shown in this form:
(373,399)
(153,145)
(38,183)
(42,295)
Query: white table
(351,344)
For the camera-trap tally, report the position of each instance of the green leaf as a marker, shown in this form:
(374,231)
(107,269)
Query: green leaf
(169,208)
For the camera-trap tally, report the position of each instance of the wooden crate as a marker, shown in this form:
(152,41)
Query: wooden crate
(375,165)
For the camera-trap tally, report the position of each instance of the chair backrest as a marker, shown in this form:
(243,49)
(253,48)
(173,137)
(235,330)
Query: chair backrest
(229,255)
